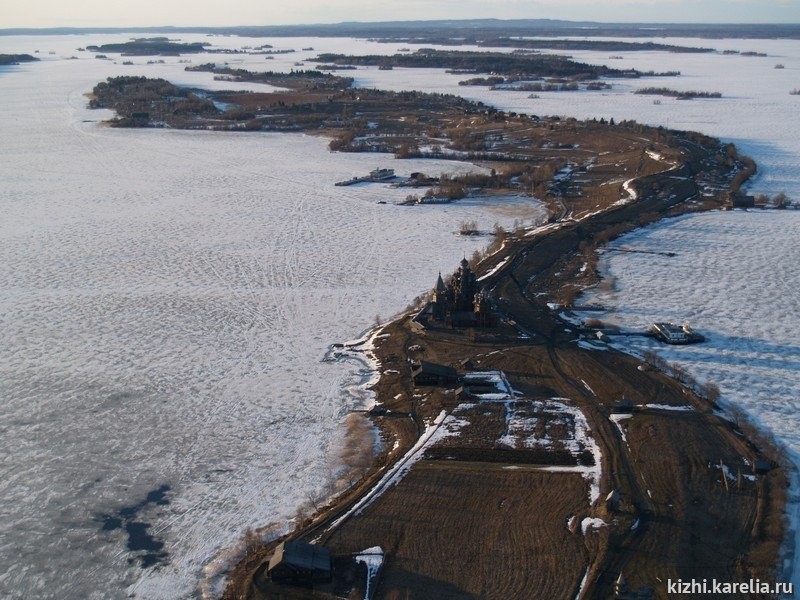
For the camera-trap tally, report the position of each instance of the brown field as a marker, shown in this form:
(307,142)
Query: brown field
(472,530)
(707,522)
(690,523)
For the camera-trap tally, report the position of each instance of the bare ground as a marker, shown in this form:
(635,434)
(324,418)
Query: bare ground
(466,530)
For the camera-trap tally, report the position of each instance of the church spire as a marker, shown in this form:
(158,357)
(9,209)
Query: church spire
(440,286)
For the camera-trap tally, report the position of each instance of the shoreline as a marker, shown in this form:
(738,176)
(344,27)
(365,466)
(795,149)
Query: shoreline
(497,268)
(737,411)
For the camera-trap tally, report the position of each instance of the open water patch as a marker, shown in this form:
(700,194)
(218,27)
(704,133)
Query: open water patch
(150,550)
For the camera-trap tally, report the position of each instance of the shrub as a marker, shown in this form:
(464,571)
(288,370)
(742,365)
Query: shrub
(781,200)
(468,228)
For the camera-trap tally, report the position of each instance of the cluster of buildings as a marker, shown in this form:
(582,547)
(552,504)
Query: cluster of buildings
(460,302)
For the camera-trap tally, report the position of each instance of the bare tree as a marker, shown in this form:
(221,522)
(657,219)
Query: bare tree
(710,391)
(468,228)
(781,200)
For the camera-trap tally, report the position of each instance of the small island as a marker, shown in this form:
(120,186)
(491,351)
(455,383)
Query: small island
(513,65)
(153,46)
(680,95)
(493,41)
(15,59)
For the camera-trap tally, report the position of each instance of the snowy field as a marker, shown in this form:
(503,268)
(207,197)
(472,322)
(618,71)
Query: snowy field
(166,297)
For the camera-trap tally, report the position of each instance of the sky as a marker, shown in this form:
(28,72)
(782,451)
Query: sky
(126,13)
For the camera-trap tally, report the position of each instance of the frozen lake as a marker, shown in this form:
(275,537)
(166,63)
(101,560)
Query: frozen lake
(166,298)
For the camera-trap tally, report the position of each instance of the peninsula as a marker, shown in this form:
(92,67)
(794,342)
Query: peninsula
(522,456)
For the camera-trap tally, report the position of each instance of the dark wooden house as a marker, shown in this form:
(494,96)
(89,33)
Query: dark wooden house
(428,373)
(300,563)
(622,406)
(739,200)
(763,466)
(463,319)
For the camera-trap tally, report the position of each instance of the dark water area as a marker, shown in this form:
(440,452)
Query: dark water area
(140,540)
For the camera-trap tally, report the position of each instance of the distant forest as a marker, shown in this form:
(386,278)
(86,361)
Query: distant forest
(535,65)
(472,28)
(545,44)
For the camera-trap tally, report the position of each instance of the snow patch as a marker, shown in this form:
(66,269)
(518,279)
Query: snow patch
(580,440)
(617,419)
(632,194)
(494,269)
(589,523)
(670,407)
(372,558)
(584,581)
(442,426)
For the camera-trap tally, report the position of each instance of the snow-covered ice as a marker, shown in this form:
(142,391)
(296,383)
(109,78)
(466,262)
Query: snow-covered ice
(734,278)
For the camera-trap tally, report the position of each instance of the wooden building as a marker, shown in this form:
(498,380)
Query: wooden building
(300,563)
(428,373)
(460,302)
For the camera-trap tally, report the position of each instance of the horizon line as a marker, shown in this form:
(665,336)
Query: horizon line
(543,21)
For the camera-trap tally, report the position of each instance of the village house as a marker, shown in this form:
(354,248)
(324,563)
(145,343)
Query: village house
(299,563)
(428,373)
(675,334)
(381,174)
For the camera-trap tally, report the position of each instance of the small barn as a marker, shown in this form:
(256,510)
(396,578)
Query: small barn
(622,406)
(428,373)
(739,200)
(300,563)
(763,466)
